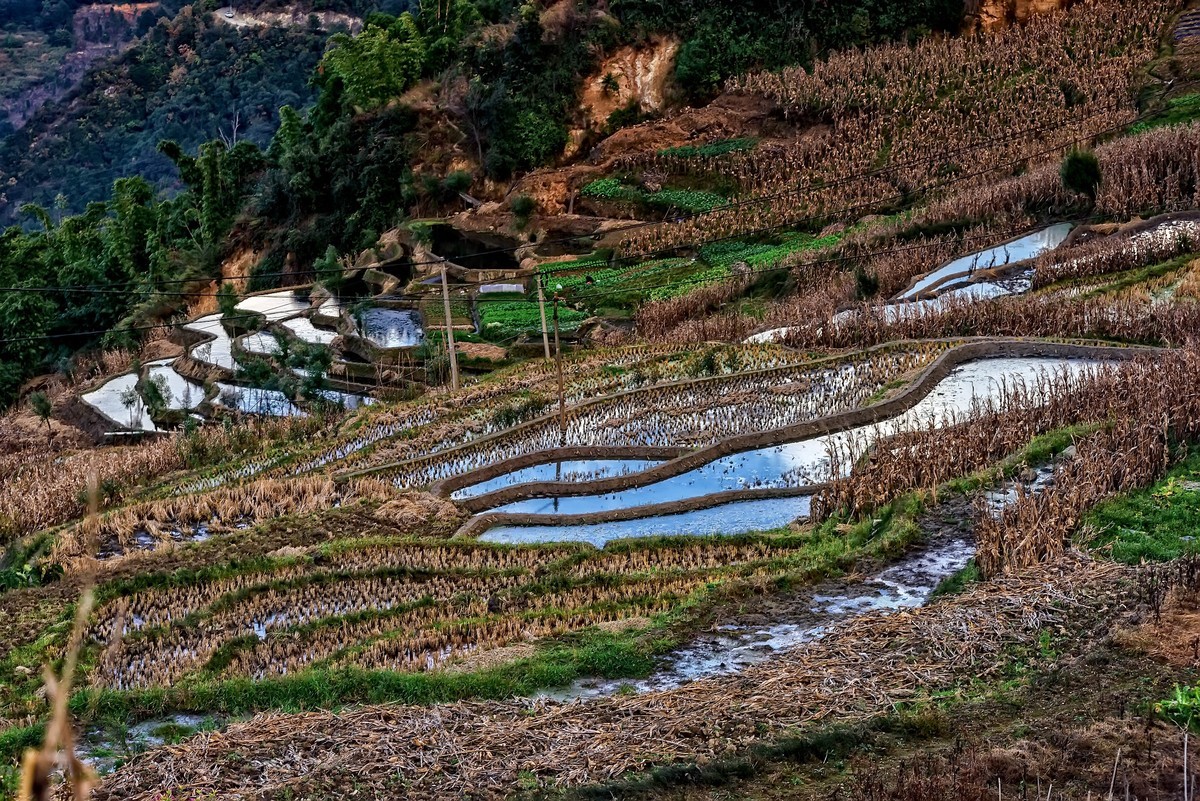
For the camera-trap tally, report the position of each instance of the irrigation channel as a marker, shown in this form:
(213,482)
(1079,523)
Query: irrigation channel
(796,466)
(730,648)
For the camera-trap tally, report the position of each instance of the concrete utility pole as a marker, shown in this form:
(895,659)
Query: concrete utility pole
(449,331)
(562,397)
(542,308)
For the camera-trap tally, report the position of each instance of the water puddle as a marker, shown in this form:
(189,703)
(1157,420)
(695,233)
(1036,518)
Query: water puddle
(1034,482)
(907,584)
(105,749)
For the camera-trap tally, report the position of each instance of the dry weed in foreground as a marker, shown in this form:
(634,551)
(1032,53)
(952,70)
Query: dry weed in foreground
(58,749)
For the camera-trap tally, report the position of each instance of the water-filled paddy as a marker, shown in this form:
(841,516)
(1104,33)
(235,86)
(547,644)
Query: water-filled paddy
(252,400)
(907,584)
(184,394)
(109,400)
(276,305)
(392,328)
(739,517)
(1027,247)
(574,470)
(218,351)
(807,461)
(303,329)
(262,342)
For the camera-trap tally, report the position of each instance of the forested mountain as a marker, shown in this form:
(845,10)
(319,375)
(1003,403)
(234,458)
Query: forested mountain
(190,79)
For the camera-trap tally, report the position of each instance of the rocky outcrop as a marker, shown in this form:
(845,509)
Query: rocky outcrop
(631,74)
(994,13)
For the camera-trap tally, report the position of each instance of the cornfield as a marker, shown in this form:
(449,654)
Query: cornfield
(1036,528)
(1045,87)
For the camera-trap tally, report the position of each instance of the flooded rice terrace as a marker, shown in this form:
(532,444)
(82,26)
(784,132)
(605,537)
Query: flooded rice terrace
(790,465)
(1018,250)
(954,282)
(574,470)
(739,517)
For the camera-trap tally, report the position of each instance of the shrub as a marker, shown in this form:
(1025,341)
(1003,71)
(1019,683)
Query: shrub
(523,206)
(1081,173)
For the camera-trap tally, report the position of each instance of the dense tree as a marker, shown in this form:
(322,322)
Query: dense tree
(378,64)
(1081,173)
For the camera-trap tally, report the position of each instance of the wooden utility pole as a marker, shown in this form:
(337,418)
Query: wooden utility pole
(562,397)
(542,308)
(449,331)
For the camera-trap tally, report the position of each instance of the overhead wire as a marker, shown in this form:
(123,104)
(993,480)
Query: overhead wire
(631,258)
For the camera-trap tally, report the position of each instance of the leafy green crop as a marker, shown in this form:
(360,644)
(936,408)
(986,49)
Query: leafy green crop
(1182,708)
(510,319)
(689,200)
(712,150)
(611,189)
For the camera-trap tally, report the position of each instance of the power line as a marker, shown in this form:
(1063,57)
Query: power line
(681,282)
(848,179)
(580,267)
(589,296)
